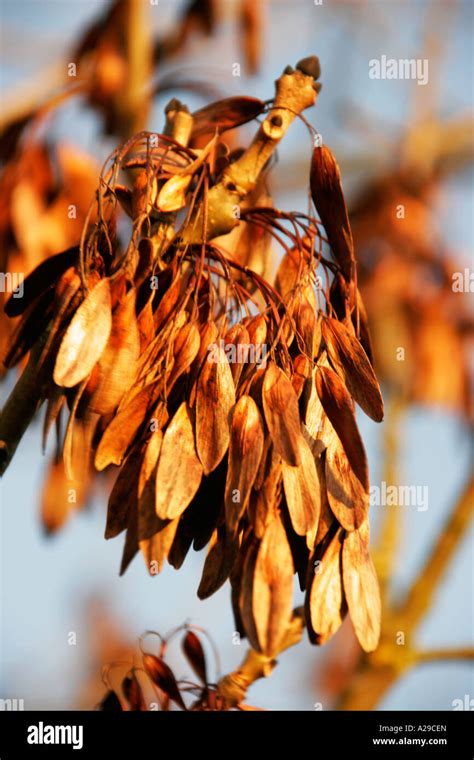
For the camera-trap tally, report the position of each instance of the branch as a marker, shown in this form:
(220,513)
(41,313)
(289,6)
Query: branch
(233,687)
(420,596)
(367,687)
(378,671)
(295,91)
(384,552)
(440,655)
(134,102)
(179,122)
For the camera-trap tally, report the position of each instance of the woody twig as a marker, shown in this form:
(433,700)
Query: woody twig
(296,90)
(234,686)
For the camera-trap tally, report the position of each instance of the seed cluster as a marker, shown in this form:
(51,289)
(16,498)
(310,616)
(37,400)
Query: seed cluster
(259,456)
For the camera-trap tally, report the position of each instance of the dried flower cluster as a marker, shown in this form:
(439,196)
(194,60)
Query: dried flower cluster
(225,401)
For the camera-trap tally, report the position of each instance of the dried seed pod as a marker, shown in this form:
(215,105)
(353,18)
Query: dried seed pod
(238,340)
(210,438)
(194,653)
(156,548)
(325,601)
(352,365)
(185,348)
(294,274)
(143,194)
(288,273)
(244,587)
(28,330)
(305,321)
(206,511)
(364,331)
(67,299)
(361,587)
(53,413)
(148,522)
(338,407)
(328,197)
(77,447)
(214,401)
(124,197)
(267,591)
(124,494)
(208,335)
(180,546)
(317,429)
(222,554)
(301,372)
(85,338)
(123,428)
(56,501)
(326,515)
(179,470)
(302,491)
(225,114)
(110,703)
(167,304)
(131,547)
(282,416)
(172,195)
(162,675)
(41,279)
(146,326)
(266,499)
(117,366)
(245,451)
(257,330)
(348,497)
(133,693)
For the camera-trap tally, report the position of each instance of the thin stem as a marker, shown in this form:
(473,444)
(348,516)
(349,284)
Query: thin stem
(234,686)
(440,655)
(388,541)
(377,672)
(135,101)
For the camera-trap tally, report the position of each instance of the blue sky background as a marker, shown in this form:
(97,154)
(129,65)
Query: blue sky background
(45,582)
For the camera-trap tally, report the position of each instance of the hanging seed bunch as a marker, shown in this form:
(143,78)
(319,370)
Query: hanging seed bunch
(153,685)
(224,401)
